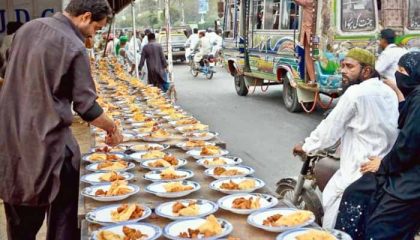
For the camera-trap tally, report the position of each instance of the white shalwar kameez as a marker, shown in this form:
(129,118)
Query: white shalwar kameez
(365,120)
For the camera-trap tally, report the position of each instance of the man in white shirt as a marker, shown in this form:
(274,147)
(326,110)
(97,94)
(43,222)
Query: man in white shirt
(387,62)
(190,43)
(365,120)
(204,47)
(217,42)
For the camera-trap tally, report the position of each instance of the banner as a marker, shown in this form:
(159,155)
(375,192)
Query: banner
(203,6)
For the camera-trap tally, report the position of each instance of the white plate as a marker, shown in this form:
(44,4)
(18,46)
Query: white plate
(159,147)
(154,176)
(198,136)
(94,168)
(215,185)
(93,178)
(102,215)
(146,138)
(153,231)
(244,169)
(174,123)
(117,149)
(206,208)
(266,201)
(196,154)
(145,164)
(256,219)
(170,119)
(173,229)
(292,234)
(140,124)
(90,192)
(183,146)
(87,157)
(230,161)
(158,189)
(186,129)
(138,156)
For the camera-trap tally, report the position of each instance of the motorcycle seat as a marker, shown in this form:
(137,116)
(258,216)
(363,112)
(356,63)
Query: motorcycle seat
(324,169)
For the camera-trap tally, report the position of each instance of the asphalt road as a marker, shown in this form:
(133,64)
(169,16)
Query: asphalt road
(257,128)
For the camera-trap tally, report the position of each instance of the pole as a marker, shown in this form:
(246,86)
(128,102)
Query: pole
(134,39)
(182,13)
(169,42)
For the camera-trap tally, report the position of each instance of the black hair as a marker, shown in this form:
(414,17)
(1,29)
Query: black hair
(12,27)
(147,32)
(195,30)
(388,35)
(374,73)
(151,36)
(100,9)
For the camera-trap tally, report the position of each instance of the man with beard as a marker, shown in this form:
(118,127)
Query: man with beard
(48,71)
(364,120)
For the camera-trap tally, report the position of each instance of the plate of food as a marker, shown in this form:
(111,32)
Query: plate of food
(176,116)
(160,135)
(149,123)
(122,231)
(198,127)
(104,177)
(107,192)
(204,136)
(160,164)
(150,155)
(117,166)
(186,209)
(191,145)
(118,213)
(168,174)
(108,149)
(247,203)
(219,161)
(102,157)
(173,189)
(209,228)
(183,122)
(310,234)
(280,219)
(149,147)
(237,185)
(208,151)
(229,171)
(145,129)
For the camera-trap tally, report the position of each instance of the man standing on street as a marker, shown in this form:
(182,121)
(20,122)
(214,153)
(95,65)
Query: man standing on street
(156,62)
(365,120)
(387,62)
(48,70)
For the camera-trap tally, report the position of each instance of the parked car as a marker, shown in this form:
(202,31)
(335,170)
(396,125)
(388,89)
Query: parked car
(178,48)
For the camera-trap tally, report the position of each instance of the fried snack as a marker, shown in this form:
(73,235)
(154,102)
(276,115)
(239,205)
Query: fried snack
(211,227)
(195,127)
(181,210)
(191,233)
(186,121)
(214,162)
(110,177)
(145,147)
(176,187)
(170,174)
(108,165)
(210,151)
(160,133)
(153,154)
(243,203)
(221,171)
(150,124)
(243,185)
(117,188)
(127,212)
(233,238)
(159,163)
(296,218)
(97,157)
(315,235)
(270,221)
(176,116)
(133,234)
(139,117)
(108,235)
(195,143)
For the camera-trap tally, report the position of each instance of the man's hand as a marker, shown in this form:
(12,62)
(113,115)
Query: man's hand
(371,166)
(297,150)
(114,138)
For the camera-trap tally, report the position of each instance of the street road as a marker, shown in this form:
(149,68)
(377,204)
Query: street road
(257,128)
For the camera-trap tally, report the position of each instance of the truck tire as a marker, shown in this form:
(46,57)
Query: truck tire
(307,201)
(290,98)
(240,85)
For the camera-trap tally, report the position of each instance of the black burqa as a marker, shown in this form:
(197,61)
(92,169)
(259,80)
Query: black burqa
(386,205)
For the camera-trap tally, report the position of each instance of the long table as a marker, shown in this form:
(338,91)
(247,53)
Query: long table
(241,229)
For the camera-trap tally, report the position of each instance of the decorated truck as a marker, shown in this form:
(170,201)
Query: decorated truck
(261,44)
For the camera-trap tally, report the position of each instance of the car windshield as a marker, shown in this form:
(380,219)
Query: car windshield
(175,39)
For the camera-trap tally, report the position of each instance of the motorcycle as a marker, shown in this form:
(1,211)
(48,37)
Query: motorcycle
(206,66)
(305,192)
